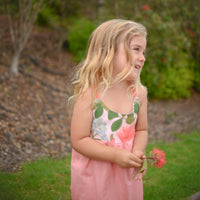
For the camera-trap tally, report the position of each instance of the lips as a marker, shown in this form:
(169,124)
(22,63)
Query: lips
(137,67)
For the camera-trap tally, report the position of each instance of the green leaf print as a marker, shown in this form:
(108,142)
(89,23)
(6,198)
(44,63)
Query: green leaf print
(98,111)
(112,115)
(116,125)
(136,108)
(130,119)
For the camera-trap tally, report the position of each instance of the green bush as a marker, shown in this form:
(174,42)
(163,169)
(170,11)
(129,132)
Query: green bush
(78,37)
(197,81)
(46,17)
(174,83)
(170,79)
(168,72)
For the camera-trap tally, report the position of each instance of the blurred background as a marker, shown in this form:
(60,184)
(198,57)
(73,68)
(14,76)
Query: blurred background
(42,41)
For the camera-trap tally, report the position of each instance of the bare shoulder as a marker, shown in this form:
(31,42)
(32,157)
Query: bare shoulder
(81,117)
(84,101)
(142,93)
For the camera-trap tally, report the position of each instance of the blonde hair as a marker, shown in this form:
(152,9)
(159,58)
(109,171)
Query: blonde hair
(96,70)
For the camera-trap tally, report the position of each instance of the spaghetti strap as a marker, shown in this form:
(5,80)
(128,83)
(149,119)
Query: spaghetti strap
(97,95)
(135,93)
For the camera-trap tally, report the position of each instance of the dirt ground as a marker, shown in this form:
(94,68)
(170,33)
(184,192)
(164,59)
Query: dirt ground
(34,113)
(168,118)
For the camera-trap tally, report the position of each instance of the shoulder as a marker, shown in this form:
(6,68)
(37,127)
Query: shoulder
(84,101)
(82,111)
(142,93)
(81,118)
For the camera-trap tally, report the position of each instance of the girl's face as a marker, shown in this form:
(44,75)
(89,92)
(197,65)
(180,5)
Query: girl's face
(137,49)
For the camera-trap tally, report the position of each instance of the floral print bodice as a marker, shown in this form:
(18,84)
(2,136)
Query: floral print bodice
(110,126)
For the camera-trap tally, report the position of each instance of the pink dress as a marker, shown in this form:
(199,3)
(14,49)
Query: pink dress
(98,180)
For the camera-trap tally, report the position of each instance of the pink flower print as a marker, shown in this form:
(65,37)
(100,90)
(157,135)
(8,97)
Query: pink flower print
(126,133)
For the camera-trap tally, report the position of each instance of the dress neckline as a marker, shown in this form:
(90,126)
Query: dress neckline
(108,109)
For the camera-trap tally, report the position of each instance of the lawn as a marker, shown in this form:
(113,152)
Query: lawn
(49,179)
(180,177)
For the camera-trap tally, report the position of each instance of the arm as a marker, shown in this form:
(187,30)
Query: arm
(141,134)
(82,143)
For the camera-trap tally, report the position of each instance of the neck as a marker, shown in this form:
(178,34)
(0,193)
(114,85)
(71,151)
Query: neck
(120,87)
(123,85)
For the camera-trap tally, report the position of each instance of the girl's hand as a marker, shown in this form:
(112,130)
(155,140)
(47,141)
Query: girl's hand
(137,175)
(127,159)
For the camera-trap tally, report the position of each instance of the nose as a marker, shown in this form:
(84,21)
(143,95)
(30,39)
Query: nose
(142,57)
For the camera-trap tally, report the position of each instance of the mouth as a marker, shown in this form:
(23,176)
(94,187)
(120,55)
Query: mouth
(137,67)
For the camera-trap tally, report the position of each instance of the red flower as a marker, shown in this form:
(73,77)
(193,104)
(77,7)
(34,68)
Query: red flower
(155,158)
(126,133)
(159,156)
(145,7)
(163,60)
(190,31)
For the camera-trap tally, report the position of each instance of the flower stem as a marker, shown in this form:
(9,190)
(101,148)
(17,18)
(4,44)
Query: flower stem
(149,158)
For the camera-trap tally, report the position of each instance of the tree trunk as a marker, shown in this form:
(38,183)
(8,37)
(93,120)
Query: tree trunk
(15,62)
(21,27)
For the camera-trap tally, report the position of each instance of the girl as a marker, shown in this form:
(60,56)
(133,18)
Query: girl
(109,122)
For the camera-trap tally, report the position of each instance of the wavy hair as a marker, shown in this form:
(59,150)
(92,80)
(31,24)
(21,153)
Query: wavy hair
(96,70)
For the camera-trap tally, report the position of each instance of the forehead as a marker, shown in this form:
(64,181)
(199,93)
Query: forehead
(138,40)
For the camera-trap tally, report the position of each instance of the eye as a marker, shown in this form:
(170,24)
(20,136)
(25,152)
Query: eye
(136,49)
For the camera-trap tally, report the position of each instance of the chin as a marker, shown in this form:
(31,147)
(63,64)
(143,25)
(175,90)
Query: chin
(133,76)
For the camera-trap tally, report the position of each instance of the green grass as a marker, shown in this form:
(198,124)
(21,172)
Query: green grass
(49,179)
(45,179)
(180,177)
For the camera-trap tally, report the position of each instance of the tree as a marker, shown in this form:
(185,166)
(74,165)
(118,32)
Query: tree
(21,24)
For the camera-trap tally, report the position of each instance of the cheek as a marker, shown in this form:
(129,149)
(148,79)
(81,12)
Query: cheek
(134,56)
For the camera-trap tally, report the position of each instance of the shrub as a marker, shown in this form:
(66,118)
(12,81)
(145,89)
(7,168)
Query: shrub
(168,72)
(46,17)
(78,37)
(197,81)
(175,83)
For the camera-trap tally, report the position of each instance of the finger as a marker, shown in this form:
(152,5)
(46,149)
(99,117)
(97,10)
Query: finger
(136,159)
(138,153)
(135,164)
(143,157)
(138,177)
